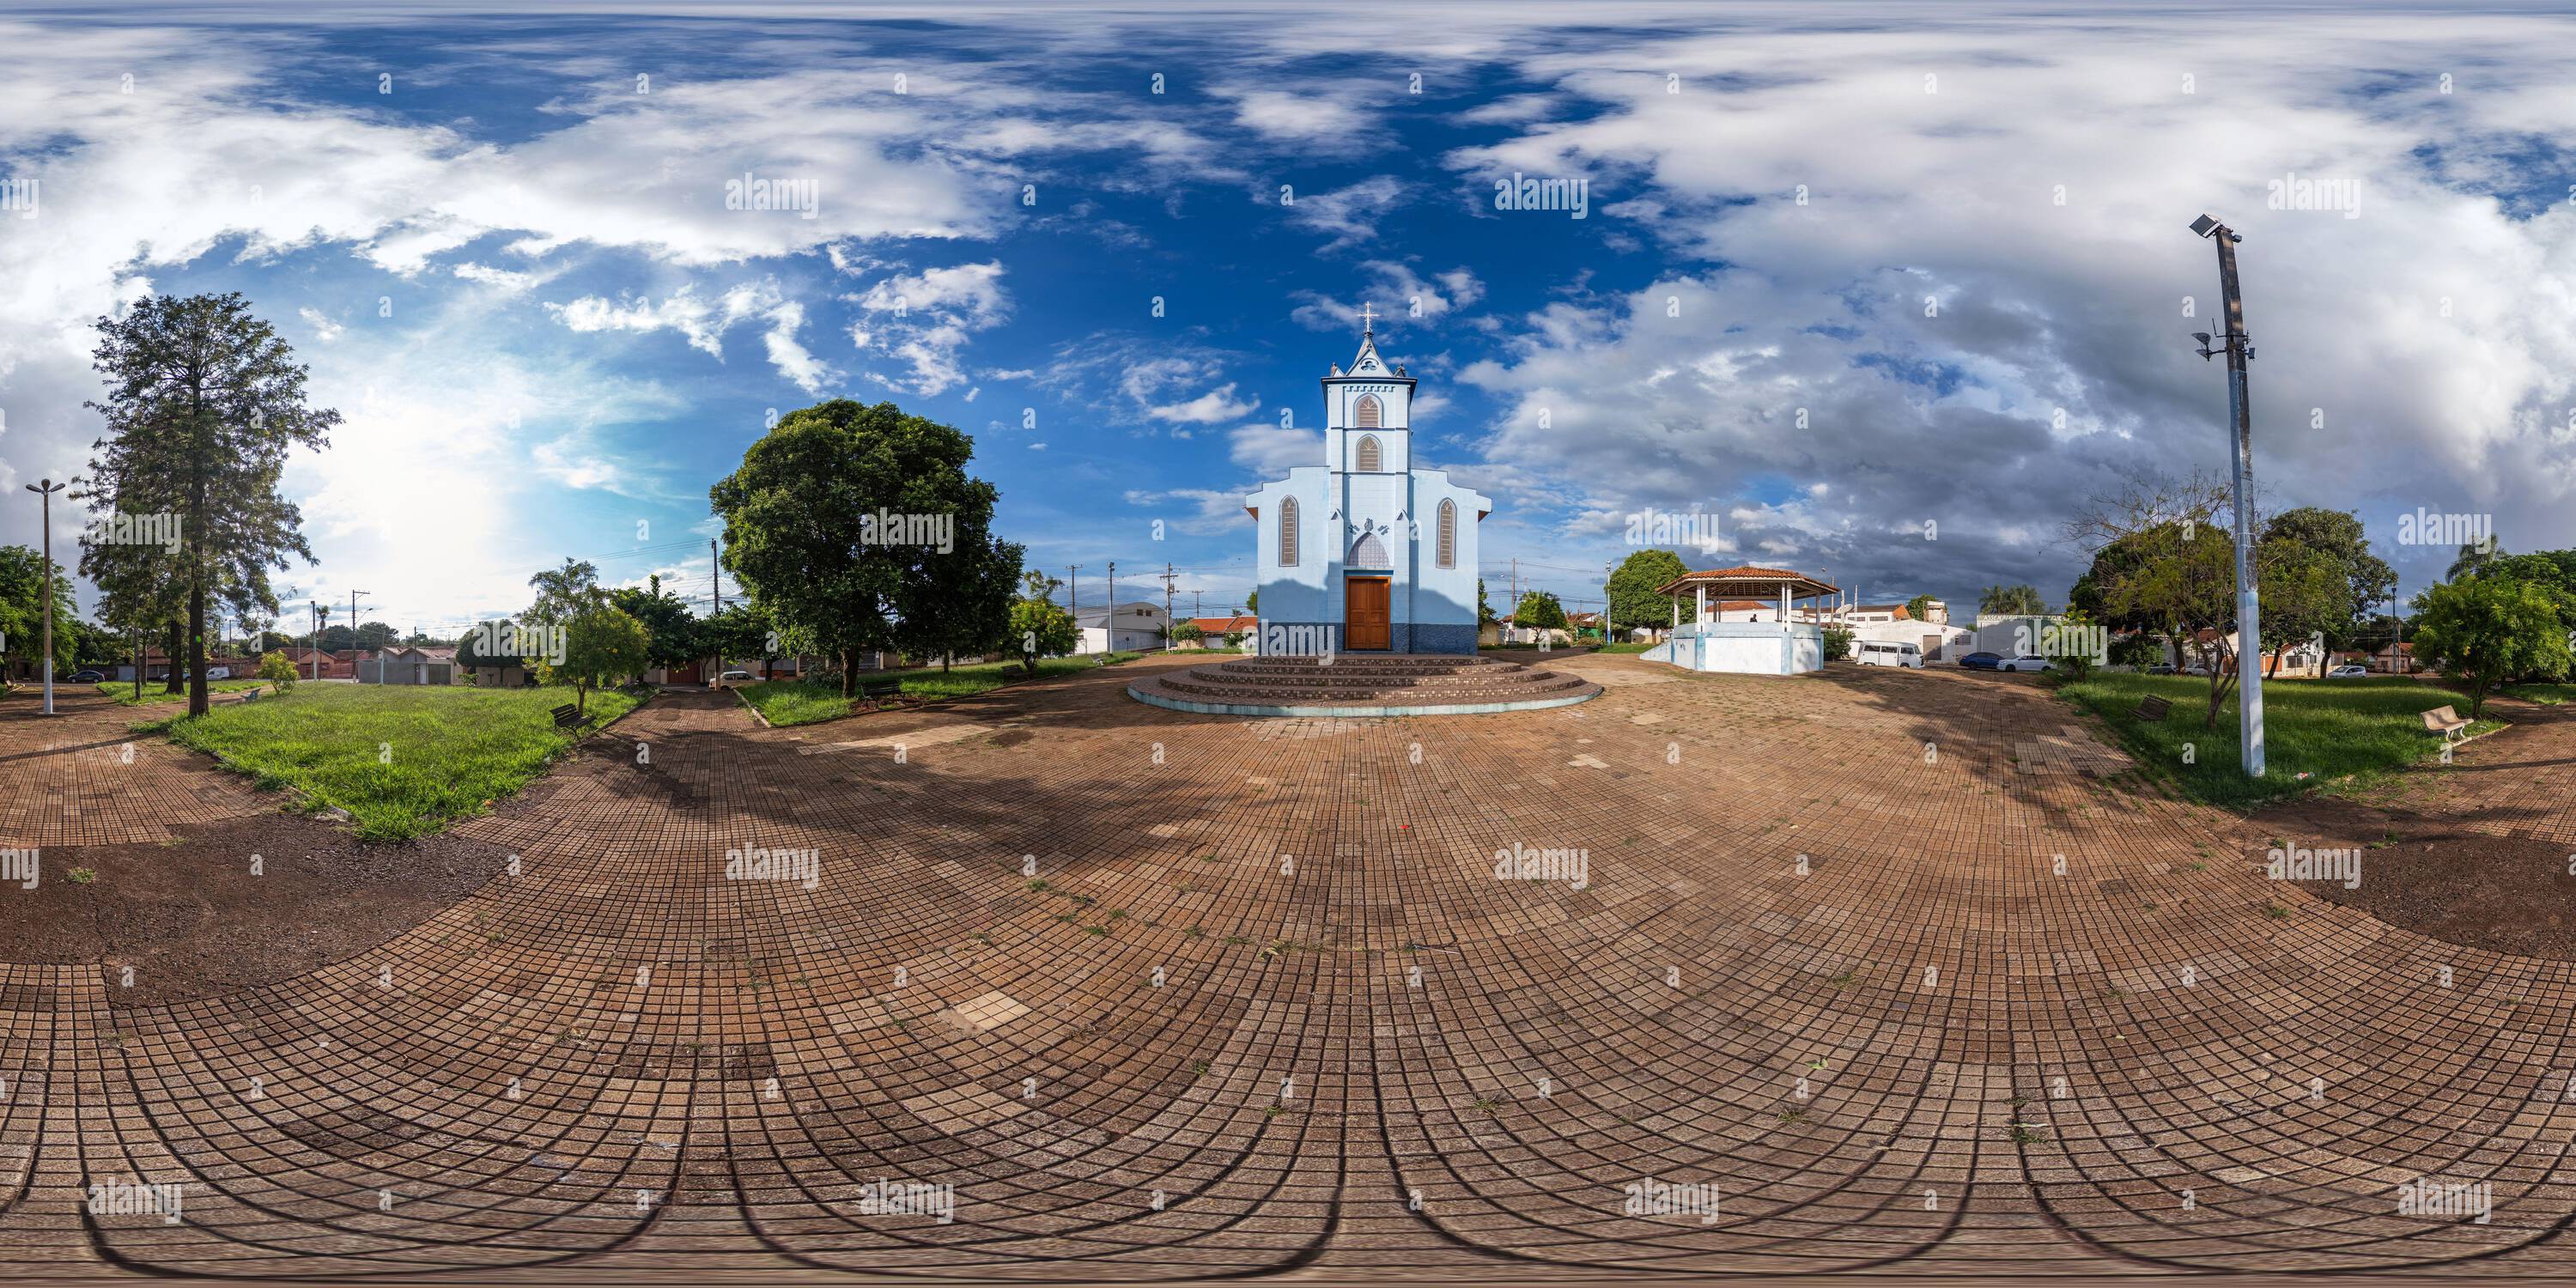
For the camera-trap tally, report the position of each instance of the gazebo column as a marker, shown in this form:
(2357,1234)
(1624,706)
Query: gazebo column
(1784,603)
(1699,607)
(1677,610)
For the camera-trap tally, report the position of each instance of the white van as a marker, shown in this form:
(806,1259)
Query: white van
(1881,653)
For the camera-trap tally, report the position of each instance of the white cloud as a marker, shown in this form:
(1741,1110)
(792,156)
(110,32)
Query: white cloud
(1347,215)
(324,329)
(703,322)
(926,319)
(1208,408)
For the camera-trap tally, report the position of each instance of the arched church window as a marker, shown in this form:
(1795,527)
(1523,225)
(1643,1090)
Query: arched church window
(1447,536)
(1368,454)
(1288,532)
(1368,414)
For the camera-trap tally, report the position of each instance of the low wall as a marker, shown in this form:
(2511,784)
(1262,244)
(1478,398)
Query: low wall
(1749,648)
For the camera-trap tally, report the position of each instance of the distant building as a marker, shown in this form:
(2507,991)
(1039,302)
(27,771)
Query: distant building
(1130,627)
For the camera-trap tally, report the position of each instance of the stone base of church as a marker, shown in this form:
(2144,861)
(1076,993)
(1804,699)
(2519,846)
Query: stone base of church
(1306,639)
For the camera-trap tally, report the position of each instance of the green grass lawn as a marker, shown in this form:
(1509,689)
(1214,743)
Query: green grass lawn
(795,702)
(403,761)
(2547,695)
(2341,733)
(124,693)
(1632,646)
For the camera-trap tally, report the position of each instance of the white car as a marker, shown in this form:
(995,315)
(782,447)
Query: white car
(2023,664)
(2348,671)
(219,673)
(735,677)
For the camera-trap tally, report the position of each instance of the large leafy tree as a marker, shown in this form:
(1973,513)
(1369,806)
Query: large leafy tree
(1539,609)
(2486,630)
(803,536)
(2337,537)
(1919,608)
(564,593)
(22,610)
(741,630)
(1633,601)
(674,631)
(204,401)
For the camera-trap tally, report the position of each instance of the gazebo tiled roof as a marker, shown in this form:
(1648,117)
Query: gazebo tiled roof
(1749,581)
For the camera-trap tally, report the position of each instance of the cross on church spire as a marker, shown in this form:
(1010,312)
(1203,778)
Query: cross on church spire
(1368,314)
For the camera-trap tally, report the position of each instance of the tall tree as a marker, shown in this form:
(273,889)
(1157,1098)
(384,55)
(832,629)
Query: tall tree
(2473,558)
(1633,601)
(204,402)
(1919,608)
(859,527)
(2336,536)
(2170,565)
(22,610)
(2015,601)
(564,593)
(1540,610)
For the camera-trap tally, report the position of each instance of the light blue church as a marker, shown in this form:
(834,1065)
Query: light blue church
(1365,553)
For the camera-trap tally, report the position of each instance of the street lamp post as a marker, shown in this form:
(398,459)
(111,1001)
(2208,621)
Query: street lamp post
(2249,631)
(45,489)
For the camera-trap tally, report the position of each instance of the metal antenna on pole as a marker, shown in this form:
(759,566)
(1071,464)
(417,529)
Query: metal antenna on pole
(2249,629)
(44,490)
(355,640)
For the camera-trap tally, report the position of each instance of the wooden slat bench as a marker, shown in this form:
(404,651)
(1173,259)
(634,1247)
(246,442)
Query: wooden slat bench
(2152,709)
(2446,722)
(877,694)
(567,716)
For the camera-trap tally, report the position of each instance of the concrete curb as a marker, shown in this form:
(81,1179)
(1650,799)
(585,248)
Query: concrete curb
(1353,713)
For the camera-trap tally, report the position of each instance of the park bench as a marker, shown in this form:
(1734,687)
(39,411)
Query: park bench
(567,716)
(2446,722)
(2152,709)
(877,694)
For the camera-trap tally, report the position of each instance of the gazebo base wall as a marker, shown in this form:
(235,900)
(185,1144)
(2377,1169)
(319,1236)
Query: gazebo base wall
(1748,648)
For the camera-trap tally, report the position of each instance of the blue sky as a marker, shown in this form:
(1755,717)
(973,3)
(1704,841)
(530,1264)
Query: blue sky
(1892,294)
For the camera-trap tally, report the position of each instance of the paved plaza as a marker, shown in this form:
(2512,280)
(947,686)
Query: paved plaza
(1869,970)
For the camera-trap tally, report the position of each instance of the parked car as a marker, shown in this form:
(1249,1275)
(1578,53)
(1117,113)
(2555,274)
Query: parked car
(1982,661)
(89,677)
(734,677)
(2196,669)
(2348,671)
(2023,664)
(2161,668)
(219,673)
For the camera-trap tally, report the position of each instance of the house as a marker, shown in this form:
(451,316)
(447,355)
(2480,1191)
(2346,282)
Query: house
(2301,659)
(316,664)
(1363,552)
(1512,632)
(1584,624)
(1213,630)
(1124,628)
(412,664)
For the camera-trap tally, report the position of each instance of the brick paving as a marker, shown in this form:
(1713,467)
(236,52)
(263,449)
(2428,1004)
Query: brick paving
(1265,1007)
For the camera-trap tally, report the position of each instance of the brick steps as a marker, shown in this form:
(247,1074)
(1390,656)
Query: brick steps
(1361,684)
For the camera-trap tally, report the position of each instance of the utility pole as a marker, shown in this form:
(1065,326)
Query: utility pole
(1605,603)
(2249,626)
(1167,605)
(44,490)
(1109,617)
(314,662)
(1073,588)
(1194,604)
(354,640)
(715,579)
(1516,590)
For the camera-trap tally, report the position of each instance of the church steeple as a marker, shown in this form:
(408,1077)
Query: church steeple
(1367,363)
(1368,410)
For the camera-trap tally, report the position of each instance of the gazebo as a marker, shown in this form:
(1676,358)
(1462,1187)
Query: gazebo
(1780,646)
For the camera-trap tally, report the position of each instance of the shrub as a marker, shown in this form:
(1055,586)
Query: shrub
(1838,643)
(276,668)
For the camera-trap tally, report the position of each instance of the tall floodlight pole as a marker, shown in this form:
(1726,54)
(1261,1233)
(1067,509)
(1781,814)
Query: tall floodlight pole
(2249,629)
(45,489)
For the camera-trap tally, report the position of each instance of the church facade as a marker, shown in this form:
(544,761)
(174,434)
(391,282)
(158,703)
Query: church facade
(1363,552)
